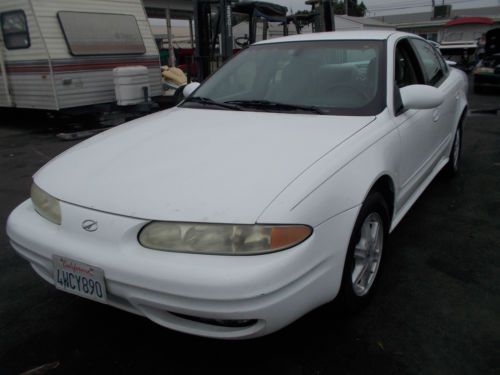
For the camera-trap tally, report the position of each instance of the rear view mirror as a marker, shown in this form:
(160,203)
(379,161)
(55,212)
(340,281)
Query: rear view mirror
(421,97)
(190,88)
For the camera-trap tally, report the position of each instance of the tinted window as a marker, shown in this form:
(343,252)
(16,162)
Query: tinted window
(429,61)
(407,71)
(15,30)
(101,33)
(442,61)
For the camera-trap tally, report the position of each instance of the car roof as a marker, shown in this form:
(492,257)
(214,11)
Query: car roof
(337,35)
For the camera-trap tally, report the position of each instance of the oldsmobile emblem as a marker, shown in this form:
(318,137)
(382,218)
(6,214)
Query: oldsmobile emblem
(89,225)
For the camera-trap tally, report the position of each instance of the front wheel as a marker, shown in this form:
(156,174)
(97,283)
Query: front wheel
(455,153)
(364,255)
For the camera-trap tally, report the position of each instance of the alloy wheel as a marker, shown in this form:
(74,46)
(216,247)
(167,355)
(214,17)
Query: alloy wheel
(367,254)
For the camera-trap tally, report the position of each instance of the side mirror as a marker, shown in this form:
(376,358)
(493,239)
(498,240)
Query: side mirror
(421,97)
(190,88)
(451,63)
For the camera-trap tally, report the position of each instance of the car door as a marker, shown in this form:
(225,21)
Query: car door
(436,74)
(417,128)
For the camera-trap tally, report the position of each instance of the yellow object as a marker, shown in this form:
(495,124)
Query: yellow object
(174,75)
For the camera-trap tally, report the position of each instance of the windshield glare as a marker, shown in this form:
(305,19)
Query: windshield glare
(341,77)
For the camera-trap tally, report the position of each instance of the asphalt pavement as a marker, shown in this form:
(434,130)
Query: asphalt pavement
(436,311)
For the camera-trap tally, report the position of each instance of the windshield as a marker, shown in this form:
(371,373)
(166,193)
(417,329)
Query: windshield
(327,77)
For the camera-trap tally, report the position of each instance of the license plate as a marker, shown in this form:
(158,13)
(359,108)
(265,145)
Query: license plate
(79,278)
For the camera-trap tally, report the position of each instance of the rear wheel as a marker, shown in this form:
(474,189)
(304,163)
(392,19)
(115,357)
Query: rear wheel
(364,255)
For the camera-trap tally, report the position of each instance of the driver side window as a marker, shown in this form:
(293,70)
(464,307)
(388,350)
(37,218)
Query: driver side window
(406,71)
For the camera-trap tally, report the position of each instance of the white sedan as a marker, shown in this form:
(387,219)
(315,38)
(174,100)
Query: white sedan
(268,192)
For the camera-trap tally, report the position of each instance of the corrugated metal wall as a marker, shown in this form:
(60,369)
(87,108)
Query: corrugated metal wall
(28,68)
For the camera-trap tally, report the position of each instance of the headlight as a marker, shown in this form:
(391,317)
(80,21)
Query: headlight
(45,204)
(224,239)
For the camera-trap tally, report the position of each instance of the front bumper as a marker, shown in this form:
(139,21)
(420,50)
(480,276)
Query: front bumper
(270,290)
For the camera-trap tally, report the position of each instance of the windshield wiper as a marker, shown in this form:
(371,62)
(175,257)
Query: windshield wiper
(208,101)
(266,104)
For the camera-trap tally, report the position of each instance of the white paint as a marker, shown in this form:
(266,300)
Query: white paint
(218,166)
(194,164)
(190,88)
(130,82)
(421,97)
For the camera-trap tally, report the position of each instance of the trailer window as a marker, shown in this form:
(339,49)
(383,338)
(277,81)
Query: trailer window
(15,30)
(101,33)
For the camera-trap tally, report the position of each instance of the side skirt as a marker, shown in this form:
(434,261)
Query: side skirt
(409,203)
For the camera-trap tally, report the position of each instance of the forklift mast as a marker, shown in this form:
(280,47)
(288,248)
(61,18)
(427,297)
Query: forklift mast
(214,28)
(322,13)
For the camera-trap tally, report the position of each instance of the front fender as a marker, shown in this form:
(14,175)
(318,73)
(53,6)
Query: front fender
(341,179)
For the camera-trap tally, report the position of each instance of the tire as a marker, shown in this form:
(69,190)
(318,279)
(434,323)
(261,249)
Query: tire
(453,166)
(365,254)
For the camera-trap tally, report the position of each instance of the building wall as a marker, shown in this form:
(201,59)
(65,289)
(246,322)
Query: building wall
(343,23)
(464,33)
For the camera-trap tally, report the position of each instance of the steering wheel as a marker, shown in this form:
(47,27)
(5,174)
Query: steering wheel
(242,41)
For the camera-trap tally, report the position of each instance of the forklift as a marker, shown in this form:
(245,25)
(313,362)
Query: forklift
(214,20)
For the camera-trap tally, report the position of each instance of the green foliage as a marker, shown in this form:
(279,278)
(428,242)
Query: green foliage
(299,12)
(355,9)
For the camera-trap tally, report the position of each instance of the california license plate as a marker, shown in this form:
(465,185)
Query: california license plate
(79,278)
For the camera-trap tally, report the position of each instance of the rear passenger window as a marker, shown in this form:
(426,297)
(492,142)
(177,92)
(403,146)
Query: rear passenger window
(443,63)
(430,64)
(15,30)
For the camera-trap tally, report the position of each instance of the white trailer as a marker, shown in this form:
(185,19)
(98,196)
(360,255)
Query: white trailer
(59,54)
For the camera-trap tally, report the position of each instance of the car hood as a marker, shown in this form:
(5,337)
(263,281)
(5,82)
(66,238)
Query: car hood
(194,164)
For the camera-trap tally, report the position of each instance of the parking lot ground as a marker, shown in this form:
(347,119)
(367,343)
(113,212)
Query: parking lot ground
(436,310)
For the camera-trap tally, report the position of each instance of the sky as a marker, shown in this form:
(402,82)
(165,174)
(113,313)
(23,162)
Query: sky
(379,7)
(385,7)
